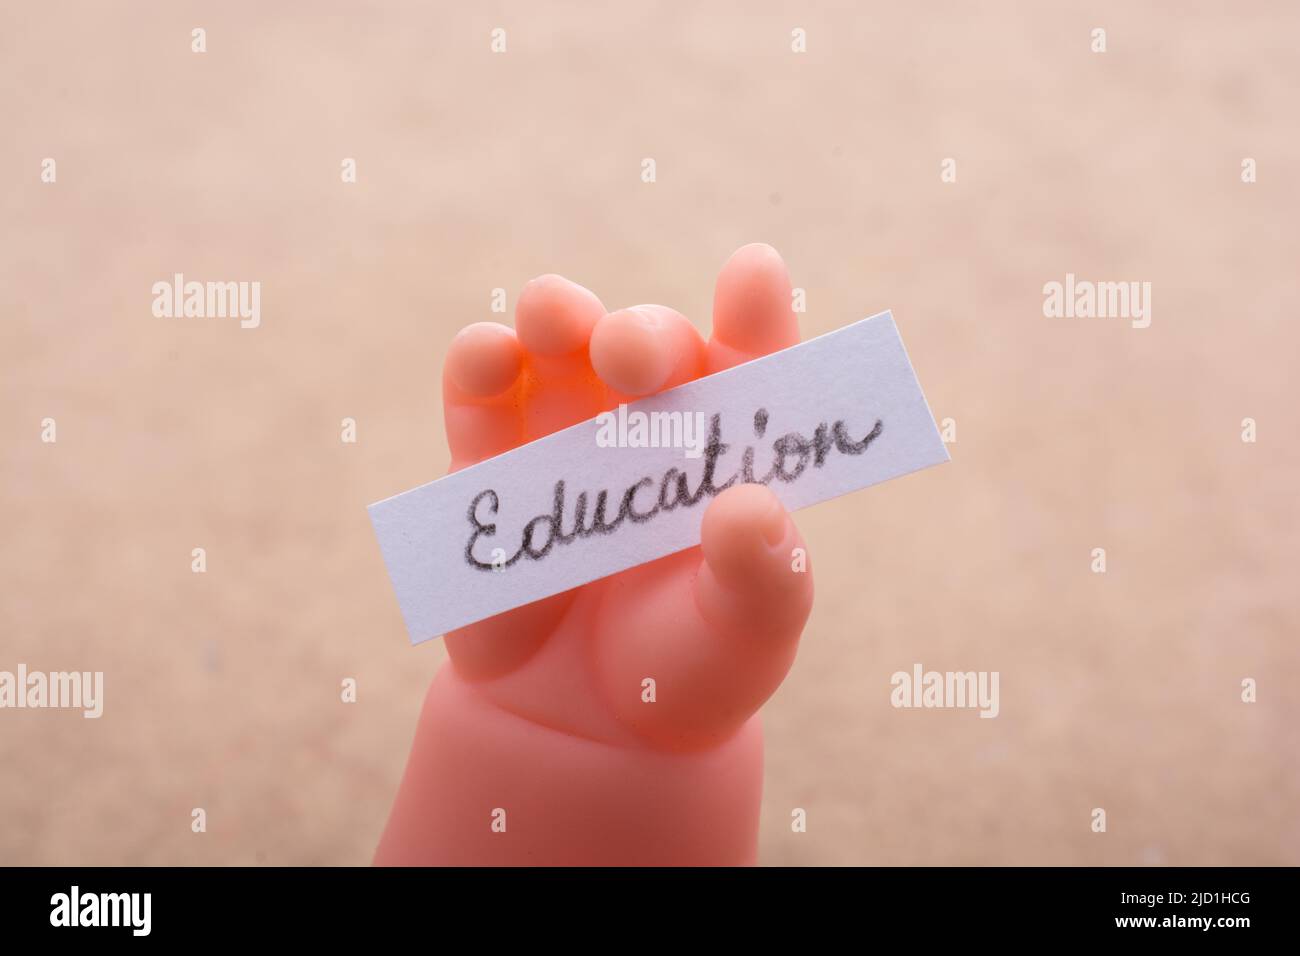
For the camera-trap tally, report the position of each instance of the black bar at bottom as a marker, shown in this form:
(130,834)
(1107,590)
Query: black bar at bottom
(327,906)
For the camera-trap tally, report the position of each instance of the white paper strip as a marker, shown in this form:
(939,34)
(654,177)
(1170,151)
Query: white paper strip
(817,420)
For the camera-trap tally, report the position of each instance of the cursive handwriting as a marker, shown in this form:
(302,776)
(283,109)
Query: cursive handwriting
(793,454)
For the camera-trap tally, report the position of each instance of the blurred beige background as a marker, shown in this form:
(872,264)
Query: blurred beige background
(478,171)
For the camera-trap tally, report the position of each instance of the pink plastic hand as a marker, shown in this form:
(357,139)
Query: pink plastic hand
(541,742)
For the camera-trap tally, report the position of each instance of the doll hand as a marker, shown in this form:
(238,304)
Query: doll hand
(714,627)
